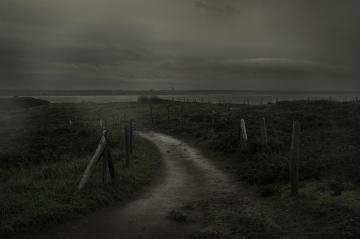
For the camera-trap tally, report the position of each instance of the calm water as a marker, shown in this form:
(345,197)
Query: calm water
(246,97)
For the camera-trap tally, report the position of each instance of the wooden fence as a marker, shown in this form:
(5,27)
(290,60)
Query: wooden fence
(294,153)
(103,154)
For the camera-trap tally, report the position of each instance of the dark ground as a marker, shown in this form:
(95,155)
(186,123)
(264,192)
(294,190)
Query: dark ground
(261,206)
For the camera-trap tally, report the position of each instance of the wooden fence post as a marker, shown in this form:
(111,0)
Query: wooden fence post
(98,153)
(264,136)
(294,159)
(105,166)
(110,163)
(243,131)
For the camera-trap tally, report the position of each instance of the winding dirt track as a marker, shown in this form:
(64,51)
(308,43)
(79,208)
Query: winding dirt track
(188,176)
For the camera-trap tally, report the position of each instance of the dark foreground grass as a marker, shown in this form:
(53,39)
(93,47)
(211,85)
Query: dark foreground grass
(41,162)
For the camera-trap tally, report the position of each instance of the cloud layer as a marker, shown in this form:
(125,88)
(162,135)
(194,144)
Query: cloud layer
(160,44)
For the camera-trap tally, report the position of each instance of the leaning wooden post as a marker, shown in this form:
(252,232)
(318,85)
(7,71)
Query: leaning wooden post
(243,131)
(98,153)
(264,136)
(294,159)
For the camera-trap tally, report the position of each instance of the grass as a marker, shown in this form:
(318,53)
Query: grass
(328,206)
(330,138)
(42,159)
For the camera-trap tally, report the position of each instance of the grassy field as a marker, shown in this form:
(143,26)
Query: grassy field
(329,202)
(43,156)
(37,142)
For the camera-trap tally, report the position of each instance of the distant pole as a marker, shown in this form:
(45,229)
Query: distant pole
(264,133)
(294,159)
(243,130)
(105,167)
(110,164)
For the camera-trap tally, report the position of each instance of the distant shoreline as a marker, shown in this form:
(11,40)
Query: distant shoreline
(156,92)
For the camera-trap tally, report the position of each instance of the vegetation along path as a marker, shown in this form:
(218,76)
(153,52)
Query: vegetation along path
(188,177)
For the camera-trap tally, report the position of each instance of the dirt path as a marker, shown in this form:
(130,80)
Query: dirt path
(188,177)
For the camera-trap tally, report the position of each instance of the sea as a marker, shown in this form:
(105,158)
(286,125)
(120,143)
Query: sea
(239,98)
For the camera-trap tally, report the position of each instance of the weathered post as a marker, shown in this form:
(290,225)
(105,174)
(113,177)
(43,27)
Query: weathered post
(105,166)
(294,159)
(243,131)
(101,124)
(98,153)
(110,163)
(264,136)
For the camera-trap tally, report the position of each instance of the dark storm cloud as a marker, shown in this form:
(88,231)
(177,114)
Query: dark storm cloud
(244,44)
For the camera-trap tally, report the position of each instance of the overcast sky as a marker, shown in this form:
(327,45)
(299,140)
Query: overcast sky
(181,44)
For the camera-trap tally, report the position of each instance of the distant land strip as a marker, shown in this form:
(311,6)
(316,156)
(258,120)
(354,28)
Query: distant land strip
(151,92)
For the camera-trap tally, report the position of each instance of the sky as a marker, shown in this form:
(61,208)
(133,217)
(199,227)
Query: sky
(180,44)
